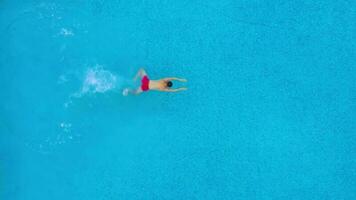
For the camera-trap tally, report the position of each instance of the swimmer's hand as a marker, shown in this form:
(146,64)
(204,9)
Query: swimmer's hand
(183,80)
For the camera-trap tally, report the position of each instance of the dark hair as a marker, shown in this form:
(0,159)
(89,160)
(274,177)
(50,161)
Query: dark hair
(169,84)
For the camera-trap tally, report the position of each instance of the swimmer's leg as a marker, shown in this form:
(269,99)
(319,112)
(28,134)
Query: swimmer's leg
(138,91)
(141,73)
(128,91)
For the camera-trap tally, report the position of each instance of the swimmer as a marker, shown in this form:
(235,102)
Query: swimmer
(163,85)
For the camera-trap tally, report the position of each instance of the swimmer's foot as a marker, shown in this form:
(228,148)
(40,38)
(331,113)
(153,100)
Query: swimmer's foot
(125,92)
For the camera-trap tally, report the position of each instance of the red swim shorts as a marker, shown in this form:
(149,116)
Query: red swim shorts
(145,83)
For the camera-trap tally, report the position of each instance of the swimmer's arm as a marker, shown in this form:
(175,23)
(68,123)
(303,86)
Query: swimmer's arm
(175,90)
(141,73)
(175,79)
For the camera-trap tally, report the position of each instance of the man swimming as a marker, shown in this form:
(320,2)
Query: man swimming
(163,85)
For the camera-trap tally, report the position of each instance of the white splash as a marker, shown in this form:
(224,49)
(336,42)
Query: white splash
(66,32)
(98,80)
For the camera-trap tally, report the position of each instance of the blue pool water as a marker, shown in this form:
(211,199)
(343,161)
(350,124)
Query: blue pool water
(270,112)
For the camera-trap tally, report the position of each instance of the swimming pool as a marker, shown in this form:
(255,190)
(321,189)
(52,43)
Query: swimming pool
(269,114)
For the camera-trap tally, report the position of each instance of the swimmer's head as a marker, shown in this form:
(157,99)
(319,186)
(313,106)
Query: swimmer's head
(169,84)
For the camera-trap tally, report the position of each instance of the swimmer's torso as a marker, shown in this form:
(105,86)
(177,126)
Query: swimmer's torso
(157,84)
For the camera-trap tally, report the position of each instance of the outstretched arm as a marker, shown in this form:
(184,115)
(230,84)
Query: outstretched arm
(141,73)
(175,90)
(175,79)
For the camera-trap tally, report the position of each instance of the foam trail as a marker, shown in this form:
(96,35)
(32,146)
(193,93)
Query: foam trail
(98,80)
